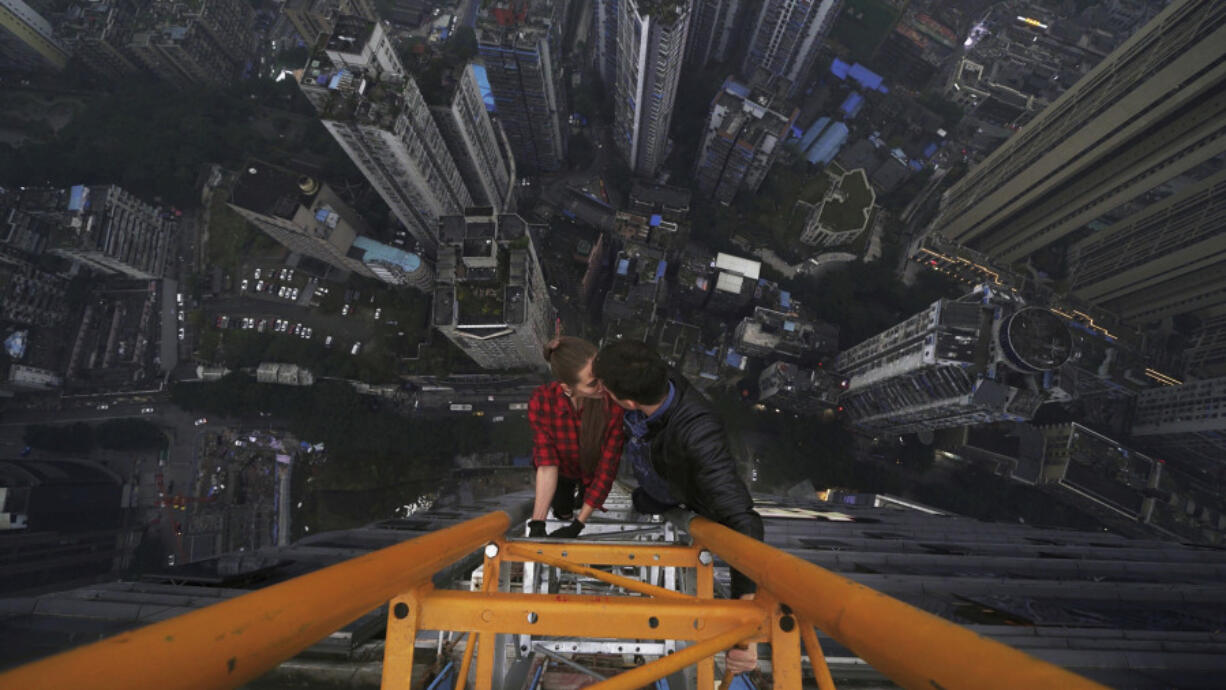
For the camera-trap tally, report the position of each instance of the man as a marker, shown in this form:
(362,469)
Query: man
(679,452)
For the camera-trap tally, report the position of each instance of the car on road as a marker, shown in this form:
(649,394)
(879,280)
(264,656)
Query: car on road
(262,325)
(181,335)
(357,347)
(378,313)
(259,287)
(103,406)
(328,341)
(257,274)
(460,407)
(170,559)
(243,286)
(202,420)
(147,410)
(517,406)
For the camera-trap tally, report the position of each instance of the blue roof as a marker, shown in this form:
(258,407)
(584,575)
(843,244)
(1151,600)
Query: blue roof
(785,299)
(734,358)
(828,145)
(916,165)
(377,251)
(623,267)
(867,78)
(76,197)
(322,215)
(736,87)
(656,219)
(814,130)
(840,69)
(852,105)
(929,150)
(661,268)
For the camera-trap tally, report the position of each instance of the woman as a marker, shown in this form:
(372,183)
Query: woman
(577,439)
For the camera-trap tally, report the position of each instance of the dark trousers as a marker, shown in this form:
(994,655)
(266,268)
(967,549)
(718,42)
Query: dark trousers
(567,498)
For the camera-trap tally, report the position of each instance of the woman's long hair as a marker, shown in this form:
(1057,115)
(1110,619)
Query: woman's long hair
(567,355)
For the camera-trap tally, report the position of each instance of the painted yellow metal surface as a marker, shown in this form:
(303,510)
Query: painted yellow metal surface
(235,641)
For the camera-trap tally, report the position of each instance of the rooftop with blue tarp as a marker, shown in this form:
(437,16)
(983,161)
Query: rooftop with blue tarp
(930,150)
(656,219)
(828,145)
(860,74)
(852,105)
(736,88)
(661,268)
(377,251)
(813,132)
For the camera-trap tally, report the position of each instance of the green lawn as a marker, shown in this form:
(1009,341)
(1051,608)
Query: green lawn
(848,215)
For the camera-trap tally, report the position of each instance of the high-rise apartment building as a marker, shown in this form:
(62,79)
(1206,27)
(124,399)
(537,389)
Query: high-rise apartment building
(1167,259)
(491,299)
(98,34)
(1206,351)
(300,213)
(605,17)
(651,38)
(1153,110)
(520,47)
(315,18)
(786,37)
(27,40)
(185,43)
(1187,420)
(476,142)
(745,134)
(111,231)
(792,388)
(376,112)
(977,359)
(711,31)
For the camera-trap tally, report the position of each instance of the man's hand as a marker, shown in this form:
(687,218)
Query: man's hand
(536,528)
(741,659)
(568,532)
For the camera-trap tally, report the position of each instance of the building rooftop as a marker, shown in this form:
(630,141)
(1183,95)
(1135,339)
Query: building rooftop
(350,34)
(377,251)
(271,190)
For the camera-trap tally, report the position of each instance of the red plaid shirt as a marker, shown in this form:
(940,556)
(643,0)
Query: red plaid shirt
(555,440)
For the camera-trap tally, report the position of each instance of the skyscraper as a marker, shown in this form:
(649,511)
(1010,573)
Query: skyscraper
(185,44)
(1169,258)
(1188,420)
(711,31)
(476,143)
(27,41)
(650,45)
(377,114)
(300,213)
(490,299)
(111,231)
(786,37)
(605,17)
(520,46)
(745,134)
(98,35)
(977,359)
(1151,111)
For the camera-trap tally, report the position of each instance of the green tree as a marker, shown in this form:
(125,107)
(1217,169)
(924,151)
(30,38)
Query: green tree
(462,45)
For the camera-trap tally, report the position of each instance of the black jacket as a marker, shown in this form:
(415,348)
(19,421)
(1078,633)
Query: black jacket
(689,450)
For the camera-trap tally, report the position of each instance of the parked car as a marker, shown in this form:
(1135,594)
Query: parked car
(345,310)
(357,347)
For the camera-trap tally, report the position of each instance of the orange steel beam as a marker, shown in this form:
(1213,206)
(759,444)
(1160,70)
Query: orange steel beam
(705,586)
(565,614)
(469,645)
(912,647)
(403,613)
(614,579)
(817,658)
(649,673)
(233,642)
(486,641)
(596,553)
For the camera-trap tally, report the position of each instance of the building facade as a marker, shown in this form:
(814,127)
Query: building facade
(786,37)
(1153,110)
(977,359)
(605,16)
(744,136)
(477,143)
(651,37)
(27,40)
(377,114)
(490,298)
(519,45)
(1185,420)
(299,213)
(1169,258)
(711,31)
